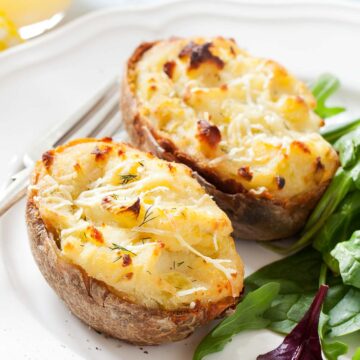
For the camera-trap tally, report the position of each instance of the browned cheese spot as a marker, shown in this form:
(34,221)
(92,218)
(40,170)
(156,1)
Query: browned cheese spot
(135,207)
(319,166)
(245,172)
(108,204)
(129,275)
(207,133)
(95,234)
(48,159)
(302,146)
(107,139)
(169,68)
(280,182)
(200,54)
(172,168)
(100,154)
(77,167)
(126,260)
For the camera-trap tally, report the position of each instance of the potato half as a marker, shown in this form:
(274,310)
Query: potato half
(131,243)
(244,124)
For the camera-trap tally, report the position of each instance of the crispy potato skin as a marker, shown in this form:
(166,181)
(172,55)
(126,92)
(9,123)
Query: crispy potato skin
(98,306)
(254,217)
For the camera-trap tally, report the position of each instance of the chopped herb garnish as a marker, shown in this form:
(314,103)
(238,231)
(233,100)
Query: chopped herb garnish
(180,263)
(119,247)
(189,267)
(125,179)
(145,238)
(118,258)
(114,196)
(224,149)
(147,216)
(141,163)
(148,272)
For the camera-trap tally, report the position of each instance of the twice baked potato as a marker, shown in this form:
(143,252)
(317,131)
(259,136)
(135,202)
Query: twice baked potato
(132,244)
(244,124)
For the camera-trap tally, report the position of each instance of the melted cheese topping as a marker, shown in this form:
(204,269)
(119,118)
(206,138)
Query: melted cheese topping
(257,124)
(142,225)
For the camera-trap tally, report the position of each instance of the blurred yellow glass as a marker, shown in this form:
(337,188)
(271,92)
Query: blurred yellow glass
(32,17)
(9,35)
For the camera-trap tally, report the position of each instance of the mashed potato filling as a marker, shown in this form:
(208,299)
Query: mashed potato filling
(245,119)
(142,225)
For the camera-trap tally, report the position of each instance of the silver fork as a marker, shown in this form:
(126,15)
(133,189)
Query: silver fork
(98,117)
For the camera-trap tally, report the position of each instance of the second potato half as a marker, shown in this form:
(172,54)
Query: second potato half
(244,124)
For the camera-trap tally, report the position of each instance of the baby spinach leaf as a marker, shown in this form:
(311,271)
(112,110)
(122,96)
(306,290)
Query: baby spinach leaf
(344,317)
(347,253)
(324,87)
(331,349)
(348,147)
(357,354)
(338,227)
(297,287)
(248,315)
(303,342)
(333,134)
(342,307)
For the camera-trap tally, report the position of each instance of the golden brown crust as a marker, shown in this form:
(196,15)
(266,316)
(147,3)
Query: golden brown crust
(254,216)
(98,306)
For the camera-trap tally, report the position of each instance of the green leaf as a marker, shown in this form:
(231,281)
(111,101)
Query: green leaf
(247,316)
(348,147)
(324,87)
(341,224)
(357,354)
(344,317)
(331,349)
(297,288)
(347,253)
(334,134)
(334,349)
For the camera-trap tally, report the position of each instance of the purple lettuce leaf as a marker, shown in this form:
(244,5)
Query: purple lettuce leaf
(303,343)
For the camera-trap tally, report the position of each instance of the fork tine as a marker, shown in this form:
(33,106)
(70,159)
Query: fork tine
(101,130)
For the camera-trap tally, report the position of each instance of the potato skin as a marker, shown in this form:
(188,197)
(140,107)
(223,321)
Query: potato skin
(98,306)
(254,217)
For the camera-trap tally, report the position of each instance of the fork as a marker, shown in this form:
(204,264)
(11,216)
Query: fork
(98,117)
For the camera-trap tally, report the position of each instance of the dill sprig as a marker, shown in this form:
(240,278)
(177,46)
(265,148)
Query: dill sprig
(119,247)
(147,216)
(125,179)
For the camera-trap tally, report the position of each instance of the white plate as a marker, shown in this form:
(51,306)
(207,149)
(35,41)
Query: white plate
(45,80)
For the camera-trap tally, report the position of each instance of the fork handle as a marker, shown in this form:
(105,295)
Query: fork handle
(15,191)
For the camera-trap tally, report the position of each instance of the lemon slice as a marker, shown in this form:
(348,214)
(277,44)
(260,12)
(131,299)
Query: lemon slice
(9,35)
